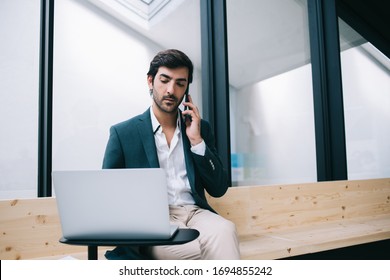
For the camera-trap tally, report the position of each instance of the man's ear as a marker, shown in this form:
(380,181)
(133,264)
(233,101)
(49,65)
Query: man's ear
(150,81)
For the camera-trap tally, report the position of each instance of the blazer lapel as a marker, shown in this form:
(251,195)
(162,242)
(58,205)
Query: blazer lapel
(145,131)
(187,154)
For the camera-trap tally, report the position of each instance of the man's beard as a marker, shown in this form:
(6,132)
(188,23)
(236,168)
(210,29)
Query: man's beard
(161,103)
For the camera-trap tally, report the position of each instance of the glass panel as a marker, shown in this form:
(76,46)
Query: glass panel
(19,91)
(366,91)
(102,55)
(272,119)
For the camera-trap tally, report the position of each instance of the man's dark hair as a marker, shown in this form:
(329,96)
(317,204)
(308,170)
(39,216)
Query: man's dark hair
(171,59)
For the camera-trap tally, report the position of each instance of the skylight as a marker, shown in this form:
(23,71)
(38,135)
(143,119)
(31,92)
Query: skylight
(143,13)
(146,9)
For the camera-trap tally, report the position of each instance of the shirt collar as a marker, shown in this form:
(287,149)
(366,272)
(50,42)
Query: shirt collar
(156,125)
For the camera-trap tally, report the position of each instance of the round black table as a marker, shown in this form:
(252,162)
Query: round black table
(180,237)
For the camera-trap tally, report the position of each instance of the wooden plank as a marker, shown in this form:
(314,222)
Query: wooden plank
(263,208)
(296,241)
(30,228)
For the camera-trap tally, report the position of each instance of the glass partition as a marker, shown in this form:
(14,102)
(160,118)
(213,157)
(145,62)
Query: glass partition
(272,119)
(19,95)
(366,91)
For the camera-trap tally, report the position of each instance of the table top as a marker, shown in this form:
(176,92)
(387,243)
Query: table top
(180,237)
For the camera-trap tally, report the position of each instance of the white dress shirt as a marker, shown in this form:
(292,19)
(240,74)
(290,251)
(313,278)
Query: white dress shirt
(171,159)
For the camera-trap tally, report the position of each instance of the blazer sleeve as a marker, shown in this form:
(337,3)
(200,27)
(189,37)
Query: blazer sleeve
(213,176)
(113,156)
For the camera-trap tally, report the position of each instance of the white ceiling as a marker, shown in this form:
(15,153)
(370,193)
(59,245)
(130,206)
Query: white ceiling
(265,38)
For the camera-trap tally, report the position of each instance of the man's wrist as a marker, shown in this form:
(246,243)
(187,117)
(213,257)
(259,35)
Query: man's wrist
(200,148)
(196,142)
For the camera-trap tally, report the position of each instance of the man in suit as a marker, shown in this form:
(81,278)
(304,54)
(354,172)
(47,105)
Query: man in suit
(182,144)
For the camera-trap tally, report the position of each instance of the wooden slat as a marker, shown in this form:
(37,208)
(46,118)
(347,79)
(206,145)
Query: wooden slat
(273,221)
(30,228)
(265,208)
(311,239)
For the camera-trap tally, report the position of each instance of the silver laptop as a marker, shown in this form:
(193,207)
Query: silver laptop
(113,204)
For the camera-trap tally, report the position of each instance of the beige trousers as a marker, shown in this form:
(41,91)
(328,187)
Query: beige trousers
(217,240)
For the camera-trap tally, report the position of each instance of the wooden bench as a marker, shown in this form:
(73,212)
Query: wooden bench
(273,221)
(282,221)
(30,229)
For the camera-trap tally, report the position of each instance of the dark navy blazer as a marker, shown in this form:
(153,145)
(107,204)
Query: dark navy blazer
(131,145)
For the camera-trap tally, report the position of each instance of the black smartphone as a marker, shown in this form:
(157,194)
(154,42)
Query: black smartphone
(187,117)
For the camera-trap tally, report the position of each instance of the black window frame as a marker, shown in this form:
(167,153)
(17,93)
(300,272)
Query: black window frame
(45,131)
(331,155)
